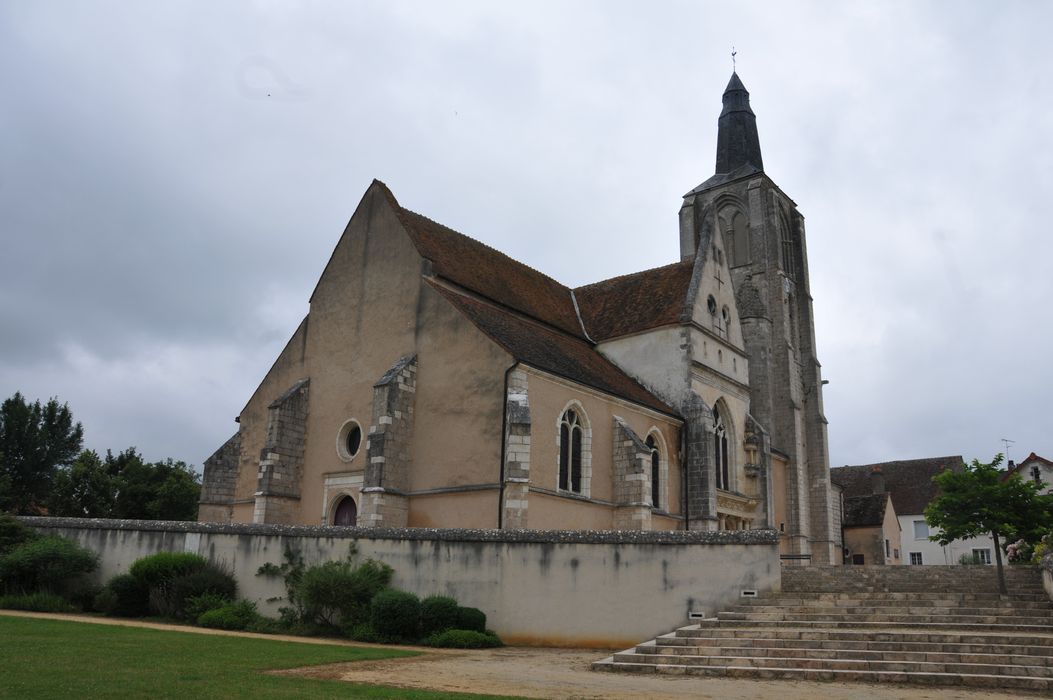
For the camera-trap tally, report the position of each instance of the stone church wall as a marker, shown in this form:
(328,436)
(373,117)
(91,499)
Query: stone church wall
(557,588)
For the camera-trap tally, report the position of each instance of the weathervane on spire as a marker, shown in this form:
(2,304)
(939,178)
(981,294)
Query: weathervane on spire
(733,54)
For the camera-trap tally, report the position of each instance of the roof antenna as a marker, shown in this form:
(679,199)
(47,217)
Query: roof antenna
(733,54)
(1007,443)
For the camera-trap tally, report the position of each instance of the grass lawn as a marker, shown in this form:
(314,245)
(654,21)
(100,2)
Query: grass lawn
(58,659)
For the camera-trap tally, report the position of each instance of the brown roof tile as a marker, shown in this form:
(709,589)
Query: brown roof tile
(634,303)
(548,349)
(488,272)
(909,482)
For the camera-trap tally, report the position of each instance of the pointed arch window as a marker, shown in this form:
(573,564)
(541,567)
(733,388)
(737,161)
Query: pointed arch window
(789,252)
(740,241)
(720,451)
(656,472)
(571,441)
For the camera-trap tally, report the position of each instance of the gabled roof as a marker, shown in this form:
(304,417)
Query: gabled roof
(1031,459)
(909,482)
(488,272)
(865,511)
(636,302)
(548,349)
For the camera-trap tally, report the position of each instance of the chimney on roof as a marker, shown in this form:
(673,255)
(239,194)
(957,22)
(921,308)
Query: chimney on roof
(1012,465)
(877,481)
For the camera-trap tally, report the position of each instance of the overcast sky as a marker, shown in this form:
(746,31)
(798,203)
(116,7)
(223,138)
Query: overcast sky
(174,176)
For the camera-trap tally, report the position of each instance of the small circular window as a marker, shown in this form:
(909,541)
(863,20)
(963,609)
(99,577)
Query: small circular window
(349,441)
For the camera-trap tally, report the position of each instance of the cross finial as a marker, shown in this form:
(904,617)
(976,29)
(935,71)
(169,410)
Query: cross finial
(733,54)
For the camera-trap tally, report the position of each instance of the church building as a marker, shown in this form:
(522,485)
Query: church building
(436,382)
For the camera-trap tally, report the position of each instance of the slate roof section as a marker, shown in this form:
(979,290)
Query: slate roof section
(550,350)
(909,482)
(488,272)
(637,302)
(865,511)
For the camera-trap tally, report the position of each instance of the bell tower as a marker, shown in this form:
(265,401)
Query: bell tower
(764,236)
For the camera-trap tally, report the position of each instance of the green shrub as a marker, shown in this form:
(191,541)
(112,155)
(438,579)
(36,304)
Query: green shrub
(363,632)
(83,595)
(463,639)
(45,564)
(233,616)
(395,615)
(267,625)
(198,605)
(171,598)
(13,533)
(437,613)
(124,596)
(336,593)
(162,567)
(39,602)
(472,619)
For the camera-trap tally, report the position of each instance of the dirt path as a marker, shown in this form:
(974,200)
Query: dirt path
(558,673)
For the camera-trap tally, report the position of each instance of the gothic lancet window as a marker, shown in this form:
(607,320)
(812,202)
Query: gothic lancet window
(789,254)
(720,451)
(570,449)
(656,476)
(740,241)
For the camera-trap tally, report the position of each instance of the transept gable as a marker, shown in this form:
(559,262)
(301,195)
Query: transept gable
(711,301)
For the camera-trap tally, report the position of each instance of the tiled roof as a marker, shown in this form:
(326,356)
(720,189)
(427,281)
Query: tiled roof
(551,350)
(909,482)
(637,302)
(1031,459)
(488,272)
(865,511)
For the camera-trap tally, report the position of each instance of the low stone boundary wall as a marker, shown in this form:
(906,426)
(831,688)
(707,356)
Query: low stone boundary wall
(902,579)
(552,588)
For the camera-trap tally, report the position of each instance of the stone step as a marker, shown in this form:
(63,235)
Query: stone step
(880,609)
(893,618)
(815,652)
(703,644)
(953,598)
(912,623)
(882,635)
(969,680)
(834,664)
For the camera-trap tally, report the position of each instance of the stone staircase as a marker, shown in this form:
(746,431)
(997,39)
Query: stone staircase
(938,625)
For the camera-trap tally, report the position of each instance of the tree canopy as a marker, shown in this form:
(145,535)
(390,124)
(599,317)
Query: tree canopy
(44,471)
(979,501)
(35,441)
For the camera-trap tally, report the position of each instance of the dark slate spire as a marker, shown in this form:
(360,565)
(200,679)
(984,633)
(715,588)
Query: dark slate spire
(737,140)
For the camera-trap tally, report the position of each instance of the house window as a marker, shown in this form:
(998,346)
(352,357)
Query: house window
(888,549)
(915,558)
(656,476)
(720,451)
(921,530)
(982,556)
(857,559)
(571,447)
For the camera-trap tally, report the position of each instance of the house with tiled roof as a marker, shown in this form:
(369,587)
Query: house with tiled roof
(909,486)
(437,382)
(1034,468)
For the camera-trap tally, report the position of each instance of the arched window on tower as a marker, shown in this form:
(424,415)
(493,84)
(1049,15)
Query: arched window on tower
(720,451)
(789,250)
(740,241)
(656,472)
(571,438)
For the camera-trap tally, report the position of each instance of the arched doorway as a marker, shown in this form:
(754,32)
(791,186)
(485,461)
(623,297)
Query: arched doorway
(346,513)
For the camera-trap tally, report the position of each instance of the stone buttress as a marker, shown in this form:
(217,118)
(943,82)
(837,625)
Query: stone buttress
(384,499)
(278,480)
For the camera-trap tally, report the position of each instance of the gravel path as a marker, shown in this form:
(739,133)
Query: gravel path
(559,673)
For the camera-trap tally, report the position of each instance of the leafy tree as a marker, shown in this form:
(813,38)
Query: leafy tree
(35,440)
(166,490)
(87,489)
(125,486)
(978,501)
